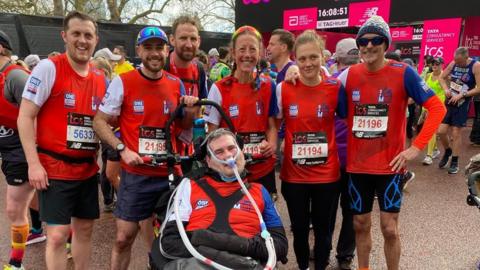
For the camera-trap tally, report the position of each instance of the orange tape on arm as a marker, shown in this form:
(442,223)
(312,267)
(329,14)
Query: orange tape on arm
(436,111)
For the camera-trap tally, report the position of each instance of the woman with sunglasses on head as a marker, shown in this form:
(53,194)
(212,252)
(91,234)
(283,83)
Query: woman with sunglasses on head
(377,92)
(248,98)
(311,169)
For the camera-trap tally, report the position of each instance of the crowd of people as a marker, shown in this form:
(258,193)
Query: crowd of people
(336,127)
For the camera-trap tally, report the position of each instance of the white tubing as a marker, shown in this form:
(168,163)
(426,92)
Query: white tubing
(272,257)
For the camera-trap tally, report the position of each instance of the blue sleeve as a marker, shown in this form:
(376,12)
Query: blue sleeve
(270,214)
(273,107)
(416,87)
(342,102)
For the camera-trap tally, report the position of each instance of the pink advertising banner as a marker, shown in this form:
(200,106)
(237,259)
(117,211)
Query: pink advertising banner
(360,12)
(471,36)
(440,39)
(300,19)
(402,33)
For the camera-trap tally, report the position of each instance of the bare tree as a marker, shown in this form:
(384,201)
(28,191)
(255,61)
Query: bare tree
(216,14)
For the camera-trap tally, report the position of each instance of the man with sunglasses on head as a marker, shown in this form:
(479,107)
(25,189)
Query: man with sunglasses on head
(460,82)
(377,93)
(142,100)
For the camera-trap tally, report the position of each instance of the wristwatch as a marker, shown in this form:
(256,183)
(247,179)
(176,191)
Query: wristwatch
(120,147)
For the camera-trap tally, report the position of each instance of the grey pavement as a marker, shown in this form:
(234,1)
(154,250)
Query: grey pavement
(438,229)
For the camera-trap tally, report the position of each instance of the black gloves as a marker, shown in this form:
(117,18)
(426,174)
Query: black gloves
(221,241)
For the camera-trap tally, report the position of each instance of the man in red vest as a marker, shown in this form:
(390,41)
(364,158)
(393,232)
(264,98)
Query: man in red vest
(142,100)
(55,126)
(14,165)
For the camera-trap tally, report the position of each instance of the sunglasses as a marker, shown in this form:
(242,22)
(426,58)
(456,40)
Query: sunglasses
(378,40)
(246,28)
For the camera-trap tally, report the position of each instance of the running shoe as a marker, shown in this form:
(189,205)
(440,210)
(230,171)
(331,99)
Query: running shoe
(11,267)
(436,153)
(427,160)
(407,178)
(35,236)
(453,168)
(445,159)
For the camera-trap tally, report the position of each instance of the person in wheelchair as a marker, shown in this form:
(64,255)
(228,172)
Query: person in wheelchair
(220,221)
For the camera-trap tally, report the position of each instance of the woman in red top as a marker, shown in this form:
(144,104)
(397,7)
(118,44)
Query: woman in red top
(249,100)
(311,168)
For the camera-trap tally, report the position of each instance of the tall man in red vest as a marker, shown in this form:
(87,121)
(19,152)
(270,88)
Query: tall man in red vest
(55,126)
(377,93)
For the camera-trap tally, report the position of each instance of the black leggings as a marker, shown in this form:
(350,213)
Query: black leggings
(315,203)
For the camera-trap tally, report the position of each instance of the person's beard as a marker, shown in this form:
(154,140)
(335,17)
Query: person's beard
(154,68)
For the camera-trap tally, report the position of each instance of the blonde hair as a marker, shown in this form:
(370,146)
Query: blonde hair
(103,64)
(309,36)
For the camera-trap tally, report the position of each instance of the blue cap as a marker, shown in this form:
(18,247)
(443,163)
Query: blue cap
(150,32)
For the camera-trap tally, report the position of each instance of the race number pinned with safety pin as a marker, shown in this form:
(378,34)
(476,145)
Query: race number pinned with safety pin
(251,142)
(151,141)
(370,121)
(80,134)
(309,148)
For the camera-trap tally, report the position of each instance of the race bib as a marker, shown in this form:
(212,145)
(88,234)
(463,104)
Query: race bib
(370,121)
(80,134)
(151,141)
(309,148)
(251,142)
(458,88)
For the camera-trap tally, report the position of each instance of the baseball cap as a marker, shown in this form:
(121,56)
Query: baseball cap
(344,46)
(213,51)
(32,60)
(107,54)
(438,60)
(150,32)
(5,40)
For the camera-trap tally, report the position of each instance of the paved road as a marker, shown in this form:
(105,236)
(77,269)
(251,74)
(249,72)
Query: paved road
(438,229)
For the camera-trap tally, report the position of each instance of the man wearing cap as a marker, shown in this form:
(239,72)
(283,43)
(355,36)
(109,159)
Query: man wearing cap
(346,54)
(142,101)
(14,164)
(377,93)
(460,82)
(60,99)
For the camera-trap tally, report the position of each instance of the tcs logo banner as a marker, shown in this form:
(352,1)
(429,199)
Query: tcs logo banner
(254,2)
(440,39)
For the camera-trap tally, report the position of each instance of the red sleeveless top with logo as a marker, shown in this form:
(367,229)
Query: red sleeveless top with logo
(249,111)
(242,218)
(65,121)
(376,117)
(310,154)
(147,105)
